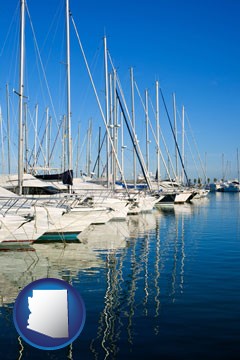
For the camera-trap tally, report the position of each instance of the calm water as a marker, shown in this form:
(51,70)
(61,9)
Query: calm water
(162,285)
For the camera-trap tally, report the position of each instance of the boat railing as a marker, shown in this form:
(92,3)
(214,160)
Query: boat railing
(17,204)
(88,197)
(13,204)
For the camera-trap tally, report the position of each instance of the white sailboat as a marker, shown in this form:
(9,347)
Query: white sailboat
(23,220)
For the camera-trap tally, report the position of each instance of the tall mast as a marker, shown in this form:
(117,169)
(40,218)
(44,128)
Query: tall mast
(8,129)
(99,150)
(158,134)
(49,142)
(106,107)
(205,167)
(223,170)
(115,128)
(183,134)
(122,142)
(63,143)
(46,141)
(111,157)
(20,92)
(133,126)
(69,135)
(26,137)
(35,137)
(88,152)
(147,131)
(78,151)
(237,165)
(175,132)
(2,145)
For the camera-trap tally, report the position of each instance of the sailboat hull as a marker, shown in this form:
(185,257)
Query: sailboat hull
(58,237)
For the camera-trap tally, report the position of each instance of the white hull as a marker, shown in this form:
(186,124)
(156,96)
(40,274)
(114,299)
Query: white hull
(119,206)
(182,197)
(79,219)
(24,231)
(201,193)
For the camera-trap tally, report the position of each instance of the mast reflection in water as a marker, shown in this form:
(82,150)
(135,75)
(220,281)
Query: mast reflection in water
(161,285)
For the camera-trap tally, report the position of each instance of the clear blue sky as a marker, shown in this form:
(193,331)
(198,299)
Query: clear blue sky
(191,47)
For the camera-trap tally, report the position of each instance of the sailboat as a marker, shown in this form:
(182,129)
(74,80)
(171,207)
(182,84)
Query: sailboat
(22,221)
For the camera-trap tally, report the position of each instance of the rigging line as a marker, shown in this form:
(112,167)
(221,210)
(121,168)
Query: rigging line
(93,66)
(40,148)
(9,29)
(165,145)
(56,15)
(140,156)
(82,147)
(41,63)
(41,82)
(40,142)
(75,147)
(2,143)
(195,143)
(95,142)
(81,150)
(13,58)
(131,134)
(12,108)
(56,137)
(5,131)
(97,159)
(74,143)
(150,123)
(29,113)
(188,142)
(174,136)
(192,155)
(98,101)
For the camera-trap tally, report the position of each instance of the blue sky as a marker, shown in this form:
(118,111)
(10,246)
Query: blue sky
(191,47)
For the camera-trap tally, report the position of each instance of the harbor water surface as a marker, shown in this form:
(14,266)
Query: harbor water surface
(164,285)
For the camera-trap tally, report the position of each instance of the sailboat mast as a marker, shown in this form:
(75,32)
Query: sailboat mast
(88,152)
(63,144)
(133,126)
(158,134)
(21,86)
(46,141)
(35,137)
(2,144)
(78,151)
(183,134)
(26,137)
(111,157)
(69,135)
(115,128)
(175,131)
(147,130)
(122,142)
(223,171)
(237,165)
(106,108)
(99,150)
(8,129)
(49,142)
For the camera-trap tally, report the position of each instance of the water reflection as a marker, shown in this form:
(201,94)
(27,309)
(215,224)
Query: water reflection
(157,273)
(134,283)
(65,261)
(21,348)
(144,268)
